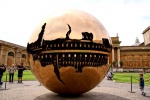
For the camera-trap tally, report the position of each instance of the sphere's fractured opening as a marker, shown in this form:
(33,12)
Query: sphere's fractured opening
(63,52)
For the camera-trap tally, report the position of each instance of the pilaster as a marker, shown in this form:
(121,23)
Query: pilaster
(118,57)
(112,54)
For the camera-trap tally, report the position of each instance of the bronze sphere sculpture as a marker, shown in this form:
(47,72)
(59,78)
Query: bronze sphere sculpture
(68,52)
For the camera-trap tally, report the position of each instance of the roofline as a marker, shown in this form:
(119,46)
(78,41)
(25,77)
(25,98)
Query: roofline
(11,44)
(148,28)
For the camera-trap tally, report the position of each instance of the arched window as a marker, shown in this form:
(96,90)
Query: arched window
(10,54)
(23,56)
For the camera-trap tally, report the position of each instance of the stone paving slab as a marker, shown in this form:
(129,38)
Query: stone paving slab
(106,90)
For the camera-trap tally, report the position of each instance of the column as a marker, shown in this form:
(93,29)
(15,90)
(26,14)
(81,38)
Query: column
(118,53)
(6,57)
(14,58)
(112,54)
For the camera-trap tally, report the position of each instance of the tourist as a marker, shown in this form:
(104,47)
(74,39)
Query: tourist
(20,72)
(11,73)
(110,75)
(2,70)
(141,83)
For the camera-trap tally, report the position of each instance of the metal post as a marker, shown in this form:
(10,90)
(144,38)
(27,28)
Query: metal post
(131,83)
(131,86)
(5,81)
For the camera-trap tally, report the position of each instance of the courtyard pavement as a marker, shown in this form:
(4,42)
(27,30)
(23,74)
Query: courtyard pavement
(106,90)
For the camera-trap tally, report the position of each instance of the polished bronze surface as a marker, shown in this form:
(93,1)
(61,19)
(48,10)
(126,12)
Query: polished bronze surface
(68,52)
(75,83)
(56,25)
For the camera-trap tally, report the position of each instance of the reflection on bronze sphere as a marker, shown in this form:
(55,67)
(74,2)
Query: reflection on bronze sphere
(68,52)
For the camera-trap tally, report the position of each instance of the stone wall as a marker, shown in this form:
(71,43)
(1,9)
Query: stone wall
(135,57)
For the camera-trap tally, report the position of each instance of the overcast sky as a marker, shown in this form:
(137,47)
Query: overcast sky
(128,18)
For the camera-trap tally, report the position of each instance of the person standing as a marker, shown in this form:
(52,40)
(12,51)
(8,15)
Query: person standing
(11,73)
(20,72)
(141,83)
(2,70)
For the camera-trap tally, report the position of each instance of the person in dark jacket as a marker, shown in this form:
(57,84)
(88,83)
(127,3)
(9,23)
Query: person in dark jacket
(20,72)
(141,83)
(2,70)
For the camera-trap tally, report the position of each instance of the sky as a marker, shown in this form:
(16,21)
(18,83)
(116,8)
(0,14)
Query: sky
(128,18)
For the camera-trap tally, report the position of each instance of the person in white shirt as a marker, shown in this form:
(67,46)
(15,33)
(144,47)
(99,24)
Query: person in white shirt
(11,73)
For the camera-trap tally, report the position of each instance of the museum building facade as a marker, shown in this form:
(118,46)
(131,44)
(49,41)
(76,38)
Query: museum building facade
(12,54)
(131,58)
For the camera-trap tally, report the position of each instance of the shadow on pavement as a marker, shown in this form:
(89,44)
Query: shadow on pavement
(86,96)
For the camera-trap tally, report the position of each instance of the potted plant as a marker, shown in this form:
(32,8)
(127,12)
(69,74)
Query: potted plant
(121,63)
(114,64)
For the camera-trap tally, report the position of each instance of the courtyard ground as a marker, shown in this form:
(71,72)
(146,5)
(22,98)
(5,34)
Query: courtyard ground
(106,90)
